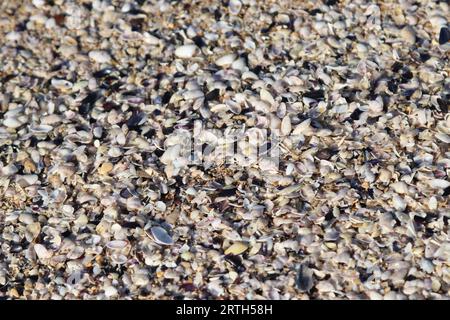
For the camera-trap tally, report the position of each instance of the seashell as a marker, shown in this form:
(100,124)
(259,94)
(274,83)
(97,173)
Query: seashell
(83,220)
(400,187)
(51,119)
(219,108)
(288,190)
(266,96)
(443,137)
(42,252)
(140,278)
(193,94)
(119,258)
(408,35)
(286,127)
(26,218)
(385,176)
(226,60)
(68,209)
(27,180)
(13,36)
(236,248)
(161,206)
(240,65)
(34,229)
(170,154)
(38,3)
(304,279)
(134,204)
(248,75)
(61,84)
(302,128)
(110,291)
(12,123)
(234,106)
(186,51)
(100,56)
(75,253)
(160,236)
(439,183)
(325,286)
(234,6)
(8,170)
(432,203)
(41,129)
(399,203)
(117,244)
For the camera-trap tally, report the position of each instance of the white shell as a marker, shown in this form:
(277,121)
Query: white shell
(61,84)
(286,126)
(226,60)
(119,258)
(41,128)
(399,203)
(187,51)
(12,123)
(235,6)
(193,94)
(42,252)
(161,206)
(100,56)
(266,96)
(110,291)
(439,183)
(117,244)
(75,253)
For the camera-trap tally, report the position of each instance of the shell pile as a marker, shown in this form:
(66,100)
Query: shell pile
(97,200)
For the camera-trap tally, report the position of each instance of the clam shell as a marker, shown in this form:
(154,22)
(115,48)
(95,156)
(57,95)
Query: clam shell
(161,236)
(226,60)
(439,183)
(235,6)
(41,128)
(12,123)
(237,248)
(117,244)
(186,51)
(75,253)
(61,84)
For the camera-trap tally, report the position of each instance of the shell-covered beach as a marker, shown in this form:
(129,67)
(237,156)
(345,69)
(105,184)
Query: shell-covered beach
(98,201)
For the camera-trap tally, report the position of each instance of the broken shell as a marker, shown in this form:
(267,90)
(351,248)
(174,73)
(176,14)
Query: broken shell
(42,252)
(100,56)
